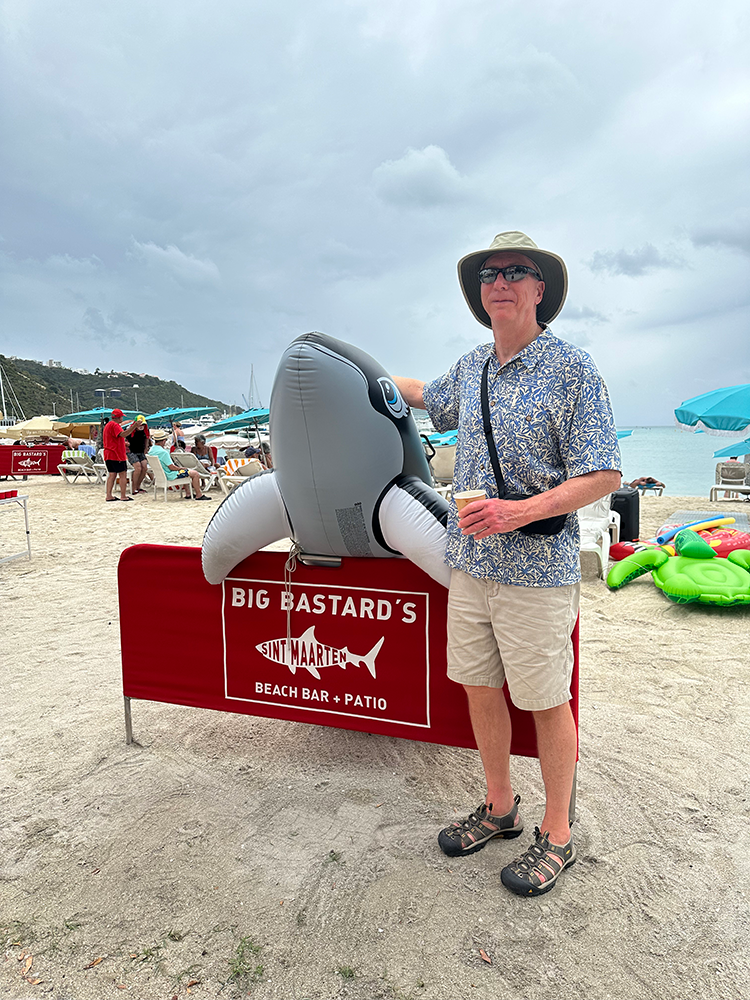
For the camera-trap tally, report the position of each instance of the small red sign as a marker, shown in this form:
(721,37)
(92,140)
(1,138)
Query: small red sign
(339,650)
(25,462)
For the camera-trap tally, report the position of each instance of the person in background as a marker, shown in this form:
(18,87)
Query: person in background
(262,453)
(115,459)
(174,472)
(178,436)
(644,482)
(138,439)
(203,453)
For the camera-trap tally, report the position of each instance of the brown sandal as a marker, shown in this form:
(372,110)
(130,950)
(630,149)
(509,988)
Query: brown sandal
(471,834)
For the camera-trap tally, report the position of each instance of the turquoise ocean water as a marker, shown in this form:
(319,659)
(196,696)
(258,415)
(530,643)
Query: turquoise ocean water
(682,461)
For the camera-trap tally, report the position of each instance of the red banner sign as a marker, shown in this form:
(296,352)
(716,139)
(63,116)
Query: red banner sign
(328,648)
(358,647)
(15,461)
(28,462)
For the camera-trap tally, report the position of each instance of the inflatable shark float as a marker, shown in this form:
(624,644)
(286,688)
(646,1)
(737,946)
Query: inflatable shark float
(350,476)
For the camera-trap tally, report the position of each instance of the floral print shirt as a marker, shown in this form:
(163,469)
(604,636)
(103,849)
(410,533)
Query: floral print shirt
(551,420)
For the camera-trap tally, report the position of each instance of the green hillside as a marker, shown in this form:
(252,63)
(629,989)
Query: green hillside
(40,389)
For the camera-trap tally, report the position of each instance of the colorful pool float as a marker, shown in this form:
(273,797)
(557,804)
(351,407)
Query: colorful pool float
(695,575)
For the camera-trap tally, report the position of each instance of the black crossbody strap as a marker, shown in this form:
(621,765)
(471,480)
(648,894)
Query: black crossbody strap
(501,490)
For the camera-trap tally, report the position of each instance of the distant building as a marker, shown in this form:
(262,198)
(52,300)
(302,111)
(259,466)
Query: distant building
(54,364)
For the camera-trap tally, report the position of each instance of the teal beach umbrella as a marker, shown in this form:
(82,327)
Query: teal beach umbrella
(174,414)
(721,411)
(95,416)
(246,419)
(736,448)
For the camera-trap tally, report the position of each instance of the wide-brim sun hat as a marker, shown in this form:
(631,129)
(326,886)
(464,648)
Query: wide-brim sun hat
(553,270)
(159,435)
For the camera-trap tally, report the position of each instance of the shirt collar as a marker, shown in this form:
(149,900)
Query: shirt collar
(529,357)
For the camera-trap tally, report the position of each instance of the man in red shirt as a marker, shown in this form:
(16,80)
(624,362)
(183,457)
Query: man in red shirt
(115,456)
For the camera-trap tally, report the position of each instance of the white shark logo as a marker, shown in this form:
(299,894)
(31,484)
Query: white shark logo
(26,463)
(309,654)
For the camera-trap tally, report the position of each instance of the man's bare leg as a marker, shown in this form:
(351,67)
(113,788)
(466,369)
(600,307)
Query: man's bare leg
(138,476)
(490,721)
(557,745)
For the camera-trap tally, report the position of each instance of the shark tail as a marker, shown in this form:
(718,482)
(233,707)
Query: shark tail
(369,658)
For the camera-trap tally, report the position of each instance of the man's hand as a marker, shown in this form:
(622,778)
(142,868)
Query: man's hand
(481,518)
(494,517)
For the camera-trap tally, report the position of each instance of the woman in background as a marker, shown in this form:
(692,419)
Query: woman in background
(138,440)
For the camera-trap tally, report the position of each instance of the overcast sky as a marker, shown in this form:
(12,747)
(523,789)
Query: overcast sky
(188,186)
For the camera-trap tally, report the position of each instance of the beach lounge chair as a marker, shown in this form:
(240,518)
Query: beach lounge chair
(600,526)
(186,460)
(732,478)
(168,485)
(240,470)
(78,464)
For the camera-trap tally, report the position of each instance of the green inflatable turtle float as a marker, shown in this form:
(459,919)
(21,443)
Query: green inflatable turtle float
(695,574)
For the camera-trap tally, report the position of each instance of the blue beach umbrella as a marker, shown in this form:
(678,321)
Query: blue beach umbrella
(721,411)
(736,448)
(246,419)
(174,414)
(95,415)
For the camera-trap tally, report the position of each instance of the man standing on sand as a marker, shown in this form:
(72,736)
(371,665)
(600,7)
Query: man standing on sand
(115,456)
(513,597)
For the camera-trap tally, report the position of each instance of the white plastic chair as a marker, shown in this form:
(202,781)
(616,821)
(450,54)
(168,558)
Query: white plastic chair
(600,526)
(162,483)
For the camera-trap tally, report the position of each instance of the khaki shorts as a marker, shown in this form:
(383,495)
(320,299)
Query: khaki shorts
(520,634)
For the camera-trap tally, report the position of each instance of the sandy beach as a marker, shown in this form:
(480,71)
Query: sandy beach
(228,856)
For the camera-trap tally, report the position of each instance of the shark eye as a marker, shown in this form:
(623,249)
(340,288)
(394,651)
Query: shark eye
(393,398)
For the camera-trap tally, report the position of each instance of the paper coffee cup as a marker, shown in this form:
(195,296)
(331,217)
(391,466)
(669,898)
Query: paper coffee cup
(466,496)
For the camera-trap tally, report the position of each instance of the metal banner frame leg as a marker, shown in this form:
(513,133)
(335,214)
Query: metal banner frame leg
(572,807)
(128,722)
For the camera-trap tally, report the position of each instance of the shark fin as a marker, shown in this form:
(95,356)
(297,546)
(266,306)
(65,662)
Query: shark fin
(369,659)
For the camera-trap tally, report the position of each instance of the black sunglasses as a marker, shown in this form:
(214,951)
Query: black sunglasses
(514,272)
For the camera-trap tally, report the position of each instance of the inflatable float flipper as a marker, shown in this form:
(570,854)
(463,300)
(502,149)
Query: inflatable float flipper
(412,518)
(253,515)
(350,469)
(631,567)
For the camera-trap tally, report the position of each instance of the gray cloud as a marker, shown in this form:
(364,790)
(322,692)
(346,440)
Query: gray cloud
(582,314)
(105,327)
(183,266)
(633,263)
(730,238)
(420,178)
